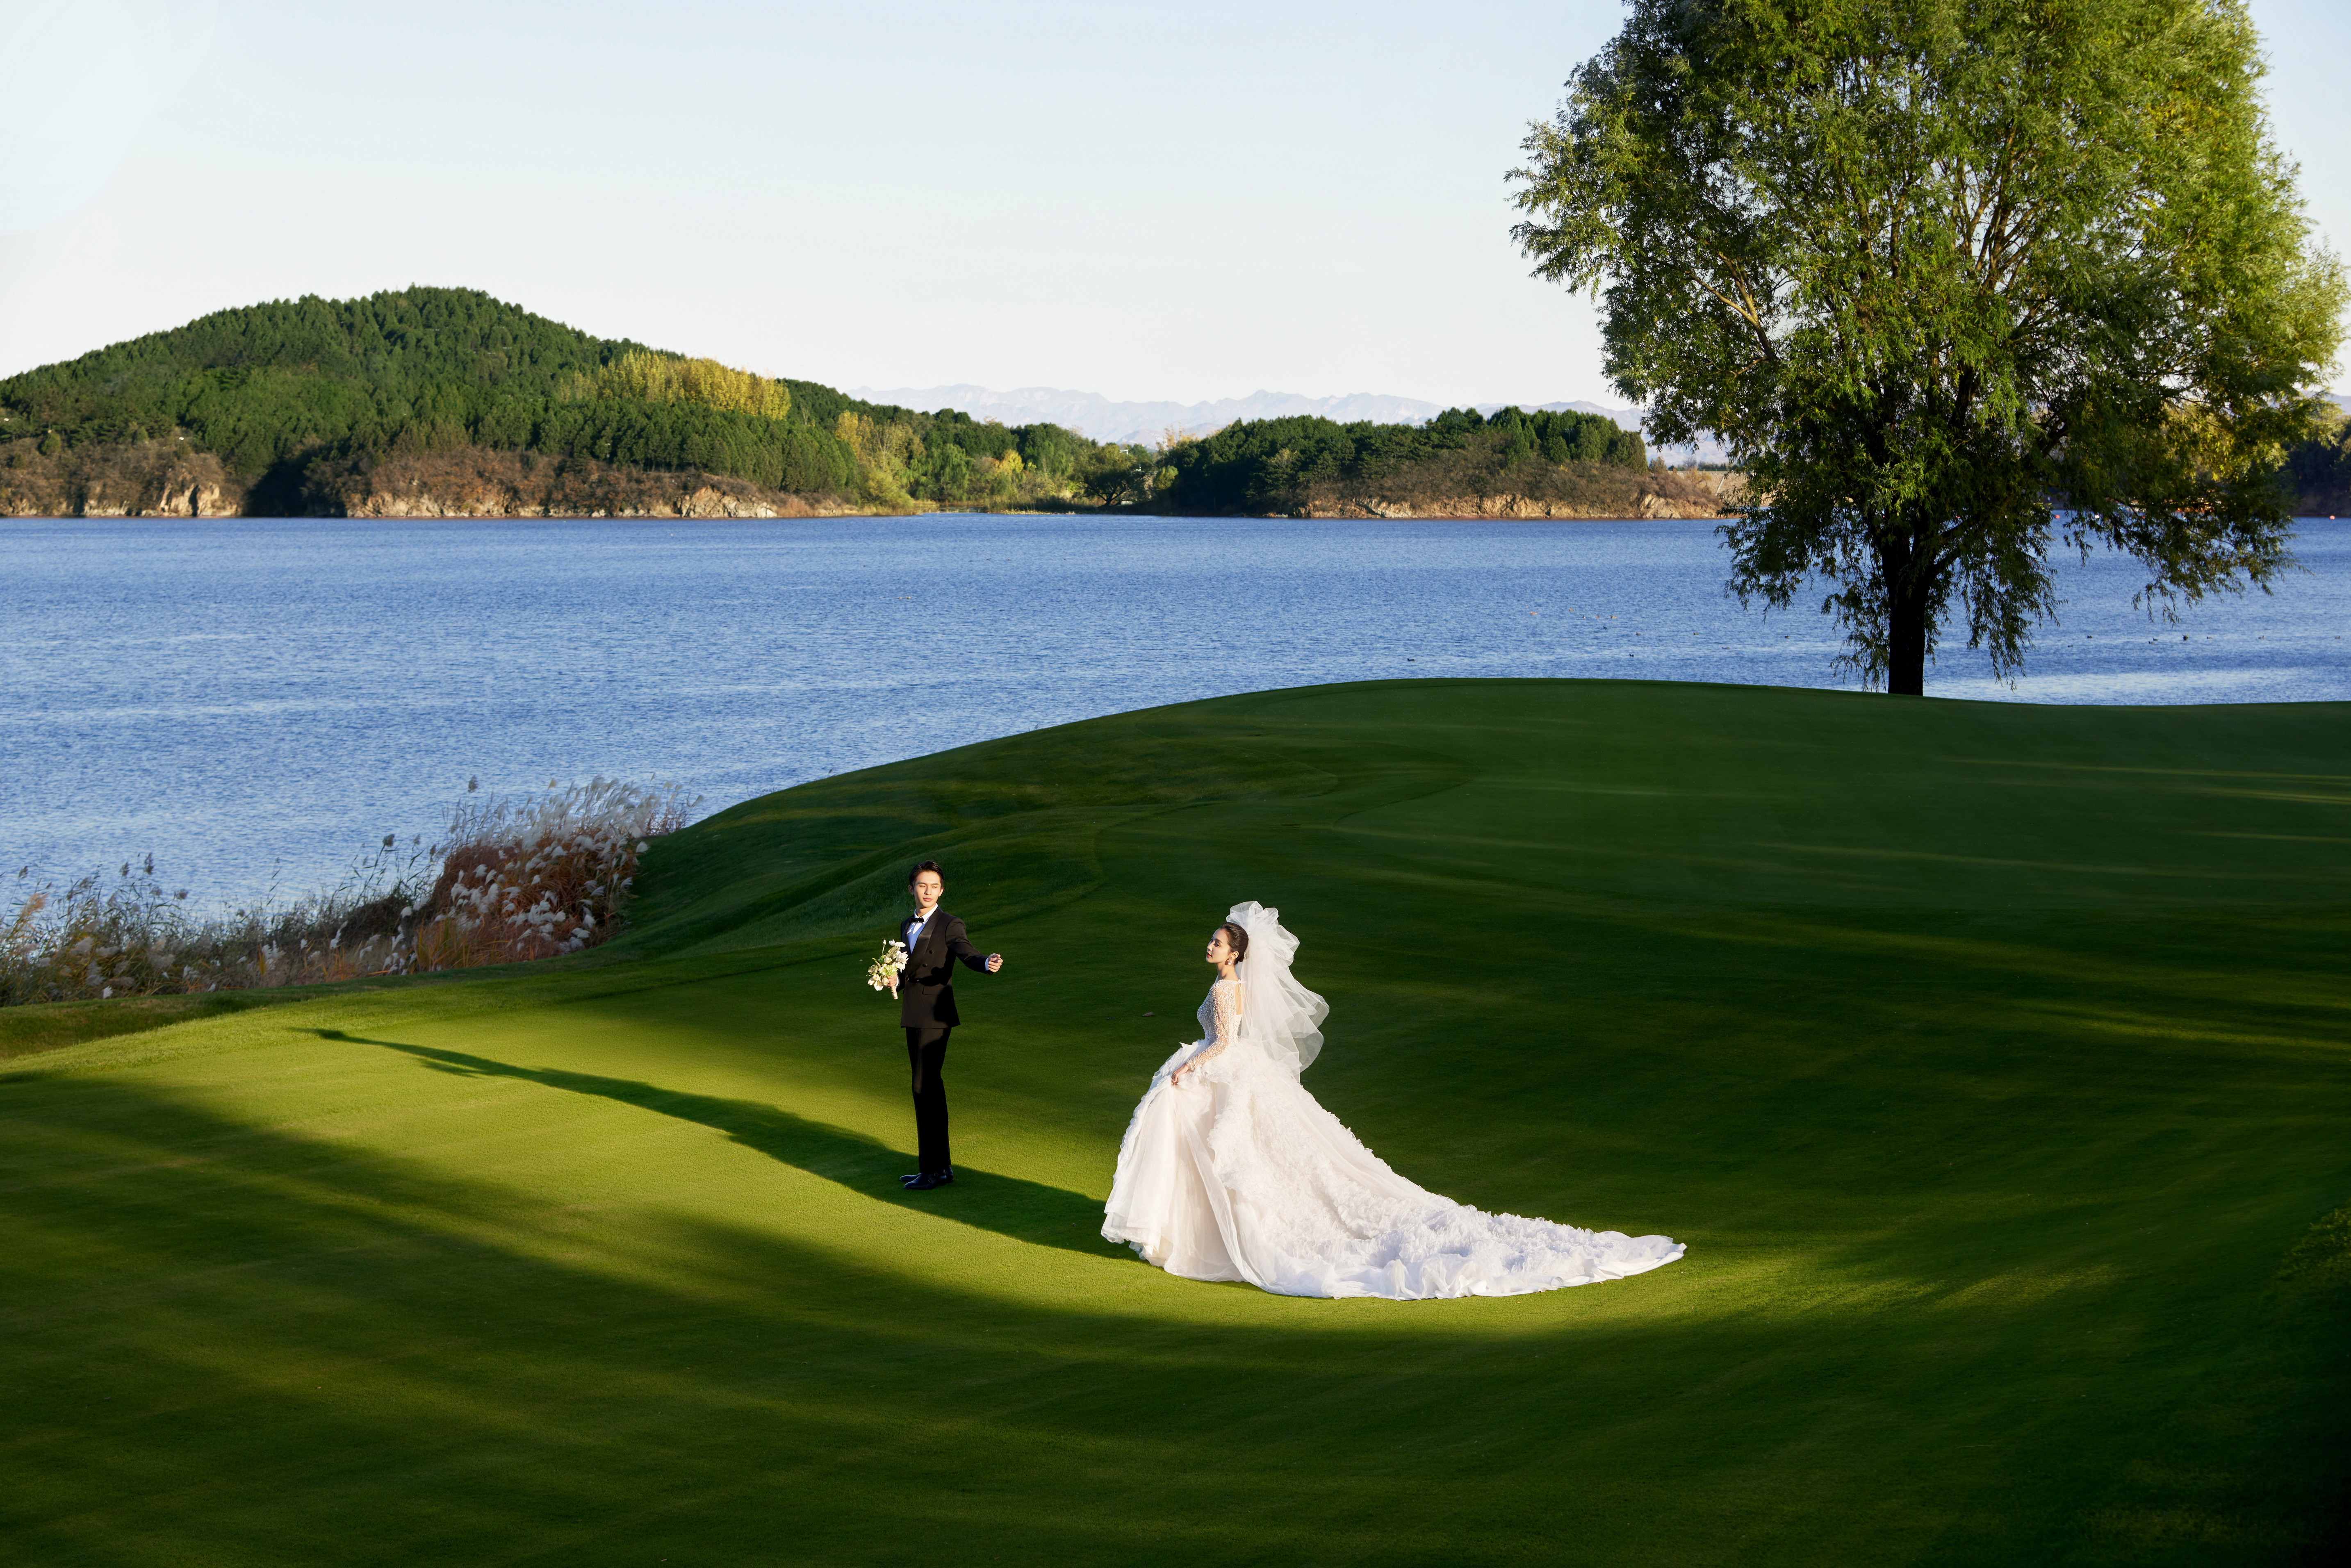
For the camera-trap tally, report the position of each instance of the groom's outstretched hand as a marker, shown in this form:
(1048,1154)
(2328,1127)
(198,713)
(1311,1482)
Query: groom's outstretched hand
(995,962)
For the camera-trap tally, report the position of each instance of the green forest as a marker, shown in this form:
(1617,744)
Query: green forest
(2319,471)
(1278,464)
(276,389)
(283,392)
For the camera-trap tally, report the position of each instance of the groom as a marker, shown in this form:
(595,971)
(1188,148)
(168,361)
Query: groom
(926,1007)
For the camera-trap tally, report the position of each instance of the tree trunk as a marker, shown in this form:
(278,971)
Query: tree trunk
(1905,638)
(1907,570)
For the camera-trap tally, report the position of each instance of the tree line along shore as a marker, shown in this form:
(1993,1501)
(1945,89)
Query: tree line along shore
(447,402)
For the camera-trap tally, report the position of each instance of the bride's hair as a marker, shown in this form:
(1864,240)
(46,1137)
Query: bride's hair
(1236,938)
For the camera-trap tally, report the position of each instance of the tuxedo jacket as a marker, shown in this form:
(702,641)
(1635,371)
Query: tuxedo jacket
(927,985)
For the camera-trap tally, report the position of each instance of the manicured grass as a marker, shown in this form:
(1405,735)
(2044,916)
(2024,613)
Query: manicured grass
(1991,1059)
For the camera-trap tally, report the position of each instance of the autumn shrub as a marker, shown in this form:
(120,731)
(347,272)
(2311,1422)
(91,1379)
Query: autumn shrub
(532,878)
(510,880)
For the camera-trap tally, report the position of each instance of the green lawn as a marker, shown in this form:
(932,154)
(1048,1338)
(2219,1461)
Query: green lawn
(1991,1059)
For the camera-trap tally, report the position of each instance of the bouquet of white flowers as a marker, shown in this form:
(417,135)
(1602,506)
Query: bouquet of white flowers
(879,973)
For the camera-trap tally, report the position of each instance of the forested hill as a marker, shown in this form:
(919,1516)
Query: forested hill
(1308,464)
(445,401)
(282,390)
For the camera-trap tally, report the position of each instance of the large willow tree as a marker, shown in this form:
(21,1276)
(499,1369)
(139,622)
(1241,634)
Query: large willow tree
(1955,280)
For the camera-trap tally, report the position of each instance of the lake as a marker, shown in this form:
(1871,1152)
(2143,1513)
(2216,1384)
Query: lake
(256,702)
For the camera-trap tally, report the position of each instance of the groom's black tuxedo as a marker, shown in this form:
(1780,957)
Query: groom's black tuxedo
(926,1007)
(927,985)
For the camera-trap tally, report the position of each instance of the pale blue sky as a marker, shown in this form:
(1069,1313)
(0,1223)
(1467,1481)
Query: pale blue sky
(1146,200)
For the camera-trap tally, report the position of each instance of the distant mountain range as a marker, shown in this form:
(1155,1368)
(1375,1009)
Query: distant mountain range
(1104,419)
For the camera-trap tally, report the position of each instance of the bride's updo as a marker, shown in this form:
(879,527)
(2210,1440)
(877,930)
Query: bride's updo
(1236,938)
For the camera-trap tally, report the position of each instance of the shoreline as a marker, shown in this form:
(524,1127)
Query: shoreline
(158,479)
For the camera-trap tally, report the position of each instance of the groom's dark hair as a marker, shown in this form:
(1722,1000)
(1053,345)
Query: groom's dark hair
(926,865)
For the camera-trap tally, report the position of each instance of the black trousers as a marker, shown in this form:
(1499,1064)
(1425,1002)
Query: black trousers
(926,1058)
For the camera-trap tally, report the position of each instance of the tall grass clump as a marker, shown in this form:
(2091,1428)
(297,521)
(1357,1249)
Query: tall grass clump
(510,880)
(532,878)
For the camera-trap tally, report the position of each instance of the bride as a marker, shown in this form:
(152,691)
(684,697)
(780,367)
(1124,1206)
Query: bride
(1231,1171)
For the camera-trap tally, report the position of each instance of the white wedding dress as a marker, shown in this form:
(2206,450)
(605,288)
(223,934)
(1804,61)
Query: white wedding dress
(1239,1173)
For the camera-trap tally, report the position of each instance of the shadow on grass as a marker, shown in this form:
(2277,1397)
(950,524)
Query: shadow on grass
(299,1333)
(225,1341)
(1009,1206)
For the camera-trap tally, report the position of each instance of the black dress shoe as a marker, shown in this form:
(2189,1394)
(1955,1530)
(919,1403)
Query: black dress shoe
(930,1179)
(910,1180)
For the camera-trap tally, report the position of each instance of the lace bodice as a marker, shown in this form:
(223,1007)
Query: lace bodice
(1220,1024)
(1220,1014)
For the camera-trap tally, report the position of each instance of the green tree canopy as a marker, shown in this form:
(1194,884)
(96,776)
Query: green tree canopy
(1953,280)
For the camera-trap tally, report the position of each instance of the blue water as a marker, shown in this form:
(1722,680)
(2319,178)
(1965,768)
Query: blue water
(255,701)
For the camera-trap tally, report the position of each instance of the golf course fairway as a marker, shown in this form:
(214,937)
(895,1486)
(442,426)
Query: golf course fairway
(1993,1060)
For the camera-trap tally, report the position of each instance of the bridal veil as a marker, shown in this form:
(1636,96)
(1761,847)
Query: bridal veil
(1281,1016)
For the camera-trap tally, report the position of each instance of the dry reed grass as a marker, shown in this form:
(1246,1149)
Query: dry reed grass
(511,879)
(530,878)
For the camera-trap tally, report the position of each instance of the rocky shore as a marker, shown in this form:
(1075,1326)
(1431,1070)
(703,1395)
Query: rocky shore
(1589,496)
(166,480)
(476,483)
(140,479)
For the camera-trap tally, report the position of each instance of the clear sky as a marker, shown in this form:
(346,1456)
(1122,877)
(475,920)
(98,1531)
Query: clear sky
(1148,201)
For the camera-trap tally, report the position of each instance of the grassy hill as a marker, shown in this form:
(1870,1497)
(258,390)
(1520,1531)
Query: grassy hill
(1990,1059)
